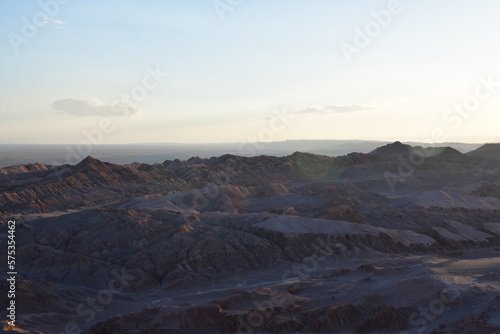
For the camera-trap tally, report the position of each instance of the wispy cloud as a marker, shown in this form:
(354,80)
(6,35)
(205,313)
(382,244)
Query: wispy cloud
(92,107)
(58,23)
(334,108)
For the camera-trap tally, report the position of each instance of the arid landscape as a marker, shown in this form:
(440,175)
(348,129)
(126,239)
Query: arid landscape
(403,239)
(250,167)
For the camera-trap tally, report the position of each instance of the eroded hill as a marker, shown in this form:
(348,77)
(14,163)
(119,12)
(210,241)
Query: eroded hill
(302,243)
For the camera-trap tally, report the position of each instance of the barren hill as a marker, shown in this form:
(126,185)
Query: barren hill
(301,243)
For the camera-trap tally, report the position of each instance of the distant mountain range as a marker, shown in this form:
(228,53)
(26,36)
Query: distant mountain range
(153,152)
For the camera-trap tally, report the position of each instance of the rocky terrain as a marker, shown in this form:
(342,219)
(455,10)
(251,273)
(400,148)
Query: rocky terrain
(404,239)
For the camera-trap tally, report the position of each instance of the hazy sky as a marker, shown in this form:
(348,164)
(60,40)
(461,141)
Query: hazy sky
(390,70)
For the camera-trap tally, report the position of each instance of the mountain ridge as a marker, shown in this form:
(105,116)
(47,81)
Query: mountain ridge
(207,239)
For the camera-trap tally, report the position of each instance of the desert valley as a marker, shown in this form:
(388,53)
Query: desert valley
(403,239)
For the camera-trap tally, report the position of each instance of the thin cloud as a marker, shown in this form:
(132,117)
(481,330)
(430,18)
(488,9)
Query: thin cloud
(47,20)
(92,107)
(331,109)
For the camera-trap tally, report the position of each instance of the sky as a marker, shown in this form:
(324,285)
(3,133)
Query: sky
(209,71)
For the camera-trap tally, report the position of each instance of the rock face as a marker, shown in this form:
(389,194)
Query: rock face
(471,324)
(143,231)
(335,318)
(261,309)
(387,319)
(190,319)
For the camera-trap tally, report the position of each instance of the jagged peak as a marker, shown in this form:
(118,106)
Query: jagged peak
(174,163)
(225,157)
(195,160)
(89,160)
(395,148)
(91,163)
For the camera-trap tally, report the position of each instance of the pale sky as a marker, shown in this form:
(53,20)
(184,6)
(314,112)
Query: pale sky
(220,71)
